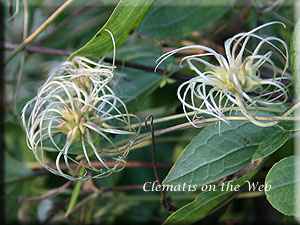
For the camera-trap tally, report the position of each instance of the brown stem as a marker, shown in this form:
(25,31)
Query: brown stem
(153,152)
(130,164)
(39,30)
(10,8)
(166,201)
(33,48)
(123,188)
(47,195)
(51,51)
(206,122)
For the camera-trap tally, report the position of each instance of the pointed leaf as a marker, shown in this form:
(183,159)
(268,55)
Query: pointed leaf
(210,157)
(205,202)
(124,19)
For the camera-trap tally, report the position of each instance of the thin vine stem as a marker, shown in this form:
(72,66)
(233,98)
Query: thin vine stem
(38,170)
(38,198)
(166,201)
(36,33)
(20,74)
(182,115)
(206,122)
(70,18)
(52,51)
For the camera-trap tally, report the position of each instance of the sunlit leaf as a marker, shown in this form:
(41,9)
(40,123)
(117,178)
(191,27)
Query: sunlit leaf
(123,21)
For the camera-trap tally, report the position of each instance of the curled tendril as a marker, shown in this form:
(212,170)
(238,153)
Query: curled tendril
(16,10)
(75,116)
(234,80)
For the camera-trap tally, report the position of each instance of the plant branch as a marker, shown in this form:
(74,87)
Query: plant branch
(182,115)
(166,201)
(47,195)
(97,164)
(43,50)
(69,19)
(153,150)
(29,39)
(75,192)
(20,73)
(82,203)
(51,51)
(282,18)
(122,188)
(205,122)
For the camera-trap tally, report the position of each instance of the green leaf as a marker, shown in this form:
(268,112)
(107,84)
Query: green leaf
(15,174)
(284,183)
(125,18)
(273,141)
(287,125)
(210,156)
(205,202)
(15,169)
(133,85)
(178,18)
(290,125)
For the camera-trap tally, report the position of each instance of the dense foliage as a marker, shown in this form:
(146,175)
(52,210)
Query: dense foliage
(219,78)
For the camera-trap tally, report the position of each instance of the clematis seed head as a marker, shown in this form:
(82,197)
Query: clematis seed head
(75,119)
(235,80)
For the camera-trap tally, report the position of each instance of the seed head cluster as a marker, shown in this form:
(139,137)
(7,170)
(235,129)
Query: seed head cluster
(76,119)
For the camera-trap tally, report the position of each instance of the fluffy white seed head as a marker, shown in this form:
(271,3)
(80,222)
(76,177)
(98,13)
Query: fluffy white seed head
(76,120)
(234,80)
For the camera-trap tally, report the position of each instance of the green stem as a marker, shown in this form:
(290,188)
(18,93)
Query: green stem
(29,39)
(205,122)
(182,115)
(20,74)
(75,193)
